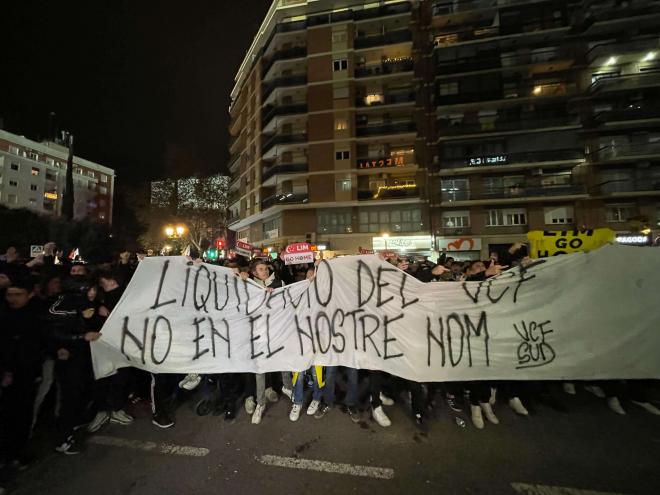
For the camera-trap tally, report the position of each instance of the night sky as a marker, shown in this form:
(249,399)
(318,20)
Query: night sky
(143,85)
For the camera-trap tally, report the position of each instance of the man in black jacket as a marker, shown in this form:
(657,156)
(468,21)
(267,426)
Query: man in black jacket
(21,351)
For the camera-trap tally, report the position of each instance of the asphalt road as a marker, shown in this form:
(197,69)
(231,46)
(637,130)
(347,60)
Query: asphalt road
(588,450)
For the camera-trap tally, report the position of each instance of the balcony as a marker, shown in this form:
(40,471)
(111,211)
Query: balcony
(644,183)
(535,91)
(272,111)
(525,157)
(393,128)
(633,112)
(525,122)
(614,81)
(233,162)
(625,151)
(389,192)
(233,196)
(281,82)
(540,191)
(387,99)
(287,54)
(283,139)
(392,38)
(385,68)
(233,218)
(283,168)
(493,59)
(384,11)
(284,199)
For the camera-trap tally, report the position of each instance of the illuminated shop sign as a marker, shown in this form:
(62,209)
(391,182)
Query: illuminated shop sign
(487,160)
(396,161)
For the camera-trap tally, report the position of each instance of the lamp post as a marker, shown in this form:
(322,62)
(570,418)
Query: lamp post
(175,232)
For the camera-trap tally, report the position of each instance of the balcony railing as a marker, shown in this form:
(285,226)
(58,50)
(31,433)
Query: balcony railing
(272,111)
(618,82)
(233,196)
(514,193)
(486,32)
(385,10)
(385,68)
(638,184)
(234,161)
(527,122)
(283,168)
(511,158)
(281,82)
(278,199)
(383,39)
(388,99)
(626,150)
(494,60)
(394,128)
(287,54)
(283,139)
(388,192)
(634,112)
(522,91)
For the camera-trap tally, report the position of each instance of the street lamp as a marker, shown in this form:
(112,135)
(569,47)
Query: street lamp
(175,232)
(169,231)
(180,230)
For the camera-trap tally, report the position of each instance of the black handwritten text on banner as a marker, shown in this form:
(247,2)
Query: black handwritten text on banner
(578,316)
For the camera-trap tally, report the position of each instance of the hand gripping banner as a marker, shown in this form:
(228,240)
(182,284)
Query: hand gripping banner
(579,316)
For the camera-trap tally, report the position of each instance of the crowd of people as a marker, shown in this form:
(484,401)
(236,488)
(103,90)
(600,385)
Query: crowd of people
(53,308)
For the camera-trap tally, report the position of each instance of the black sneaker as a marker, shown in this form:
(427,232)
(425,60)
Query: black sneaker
(453,404)
(354,414)
(162,420)
(68,447)
(323,410)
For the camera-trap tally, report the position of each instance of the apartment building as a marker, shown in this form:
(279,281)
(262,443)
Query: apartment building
(455,125)
(33,176)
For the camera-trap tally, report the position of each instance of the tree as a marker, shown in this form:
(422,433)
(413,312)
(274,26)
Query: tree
(199,203)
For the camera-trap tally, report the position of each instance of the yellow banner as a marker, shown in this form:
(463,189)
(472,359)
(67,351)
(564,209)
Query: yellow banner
(544,243)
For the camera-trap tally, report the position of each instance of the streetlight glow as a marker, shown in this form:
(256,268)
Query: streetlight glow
(180,229)
(169,231)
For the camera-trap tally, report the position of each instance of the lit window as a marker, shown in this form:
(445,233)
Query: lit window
(455,219)
(343,185)
(342,155)
(374,99)
(341,124)
(35,171)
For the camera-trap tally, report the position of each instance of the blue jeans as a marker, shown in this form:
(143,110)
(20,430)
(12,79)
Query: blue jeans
(298,388)
(351,398)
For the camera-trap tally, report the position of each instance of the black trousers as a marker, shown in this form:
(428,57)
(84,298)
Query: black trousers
(163,388)
(75,379)
(230,385)
(110,392)
(16,405)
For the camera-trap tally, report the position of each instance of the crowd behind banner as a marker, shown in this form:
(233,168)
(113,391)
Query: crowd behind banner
(53,309)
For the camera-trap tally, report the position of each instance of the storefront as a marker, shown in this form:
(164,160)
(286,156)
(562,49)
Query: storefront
(460,248)
(410,245)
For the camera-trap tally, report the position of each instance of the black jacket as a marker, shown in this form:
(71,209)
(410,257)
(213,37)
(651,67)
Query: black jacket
(22,342)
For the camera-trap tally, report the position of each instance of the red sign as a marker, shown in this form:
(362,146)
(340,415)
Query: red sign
(298,247)
(243,248)
(396,161)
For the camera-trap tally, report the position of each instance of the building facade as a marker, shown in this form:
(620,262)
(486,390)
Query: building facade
(33,176)
(456,125)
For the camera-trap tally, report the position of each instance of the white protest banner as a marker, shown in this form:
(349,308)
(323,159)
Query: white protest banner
(579,316)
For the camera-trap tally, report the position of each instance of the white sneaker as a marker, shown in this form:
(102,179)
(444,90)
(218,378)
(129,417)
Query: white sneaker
(385,400)
(477,418)
(648,407)
(250,405)
(190,382)
(614,404)
(569,388)
(258,413)
(313,407)
(101,418)
(488,411)
(518,407)
(294,415)
(596,390)
(381,418)
(288,392)
(121,418)
(493,396)
(271,395)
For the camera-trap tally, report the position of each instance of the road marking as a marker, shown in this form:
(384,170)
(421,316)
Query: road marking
(162,448)
(526,489)
(327,467)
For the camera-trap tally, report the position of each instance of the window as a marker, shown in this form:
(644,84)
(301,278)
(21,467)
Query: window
(343,185)
(374,99)
(104,178)
(12,199)
(271,227)
(455,219)
(342,155)
(50,161)
(13,183)
(339,37)
(14,150)
(14,166)
(90,173)
(505,217)
(33,187)
(620,213)
(51,176)
(335,221)
(341,124)
(341,64)
(403,219)
(35,171)
(449,88)
(340,92)
(558,215)
(455,189)
(503,186)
